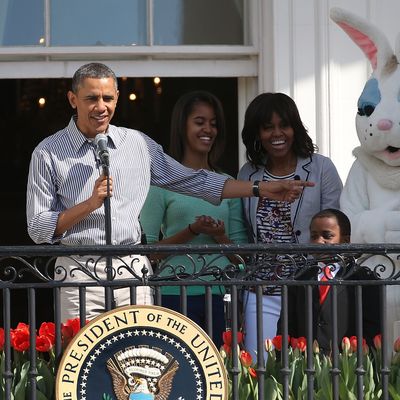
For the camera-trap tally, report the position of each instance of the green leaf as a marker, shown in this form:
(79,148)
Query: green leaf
(344,392)
(303,388)
(48,378)
(352,379)
(369,383)
(20,388)
(393,393)
(245,384)
(318,362)
(377,362)
(271,389)
(297,374)
(319,395)
(270,364)
(2,380)
(41,396)
(344,367)
(244,391)
(326,384)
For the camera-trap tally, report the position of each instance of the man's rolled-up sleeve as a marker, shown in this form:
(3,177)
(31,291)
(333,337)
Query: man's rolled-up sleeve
(41,201)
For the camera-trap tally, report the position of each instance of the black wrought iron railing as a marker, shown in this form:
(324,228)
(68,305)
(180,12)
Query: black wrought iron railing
(26,272)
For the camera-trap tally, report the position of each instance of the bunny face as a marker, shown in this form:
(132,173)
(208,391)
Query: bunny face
(378,117)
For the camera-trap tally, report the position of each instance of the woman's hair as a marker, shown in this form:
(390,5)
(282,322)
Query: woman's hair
(259,112)
(341,218)
(182,109)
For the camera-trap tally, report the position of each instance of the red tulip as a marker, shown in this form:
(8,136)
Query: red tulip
(277,342)
(293,343)
(22,327)
(253,372)
(48,329)
(302,343)
(378,341)
(365,348)
(245,358)
(70,328)
(20,337)
(353,343)
(1,339)
(346,344)
(228,349)
(227,337)
(43,343)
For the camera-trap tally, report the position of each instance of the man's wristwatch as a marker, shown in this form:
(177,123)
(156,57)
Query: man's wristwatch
(256,188)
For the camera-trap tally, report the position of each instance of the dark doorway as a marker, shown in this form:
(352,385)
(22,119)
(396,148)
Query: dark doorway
(25,122)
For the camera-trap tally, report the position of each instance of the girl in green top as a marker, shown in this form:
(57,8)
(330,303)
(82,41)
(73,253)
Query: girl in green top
(197,138)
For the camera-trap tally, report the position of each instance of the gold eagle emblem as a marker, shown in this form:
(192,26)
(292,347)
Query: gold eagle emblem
(142,373)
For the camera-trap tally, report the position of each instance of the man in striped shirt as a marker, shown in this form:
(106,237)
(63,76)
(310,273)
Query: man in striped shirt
(66,187)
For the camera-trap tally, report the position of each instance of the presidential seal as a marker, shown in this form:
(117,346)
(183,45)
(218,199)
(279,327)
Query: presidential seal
(141,353)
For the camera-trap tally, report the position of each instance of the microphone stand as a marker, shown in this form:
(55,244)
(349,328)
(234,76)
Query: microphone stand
(109,295)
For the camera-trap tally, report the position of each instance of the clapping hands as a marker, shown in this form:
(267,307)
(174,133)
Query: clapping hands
(208,226)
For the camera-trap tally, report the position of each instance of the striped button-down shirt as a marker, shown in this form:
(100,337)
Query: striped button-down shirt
(63,171)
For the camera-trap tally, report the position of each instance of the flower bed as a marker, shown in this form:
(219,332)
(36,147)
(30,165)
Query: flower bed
(45,361)
(297,362)
(247,376)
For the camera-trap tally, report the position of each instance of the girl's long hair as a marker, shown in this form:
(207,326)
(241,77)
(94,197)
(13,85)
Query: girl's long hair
(182,109)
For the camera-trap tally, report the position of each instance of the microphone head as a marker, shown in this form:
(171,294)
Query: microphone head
(100,142)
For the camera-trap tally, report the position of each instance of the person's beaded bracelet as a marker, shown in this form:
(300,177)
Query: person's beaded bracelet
(192,231)
(256,188)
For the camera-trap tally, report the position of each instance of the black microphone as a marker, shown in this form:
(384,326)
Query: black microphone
(100,142)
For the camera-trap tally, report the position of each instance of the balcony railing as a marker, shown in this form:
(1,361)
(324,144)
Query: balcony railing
(28,270)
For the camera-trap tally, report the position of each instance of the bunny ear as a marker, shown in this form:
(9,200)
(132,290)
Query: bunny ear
(366,36)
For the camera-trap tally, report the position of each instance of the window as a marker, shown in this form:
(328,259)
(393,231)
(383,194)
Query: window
(98,22)
(121,22)
(21,22)
(189,22)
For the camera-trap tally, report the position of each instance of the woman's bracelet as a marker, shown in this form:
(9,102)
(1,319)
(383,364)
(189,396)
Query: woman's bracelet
(256,188)
(192,231)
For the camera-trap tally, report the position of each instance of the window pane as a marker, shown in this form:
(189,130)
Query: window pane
(198,22)
(98,22)
(21,22)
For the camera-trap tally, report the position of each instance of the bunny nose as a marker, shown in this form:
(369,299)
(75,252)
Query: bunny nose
(385,124)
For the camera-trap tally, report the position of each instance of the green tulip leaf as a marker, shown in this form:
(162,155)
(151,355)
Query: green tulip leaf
(41,396)
(20,388)
(271,389)
(48,378)
(395,395)
(344,392)
(244,391)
